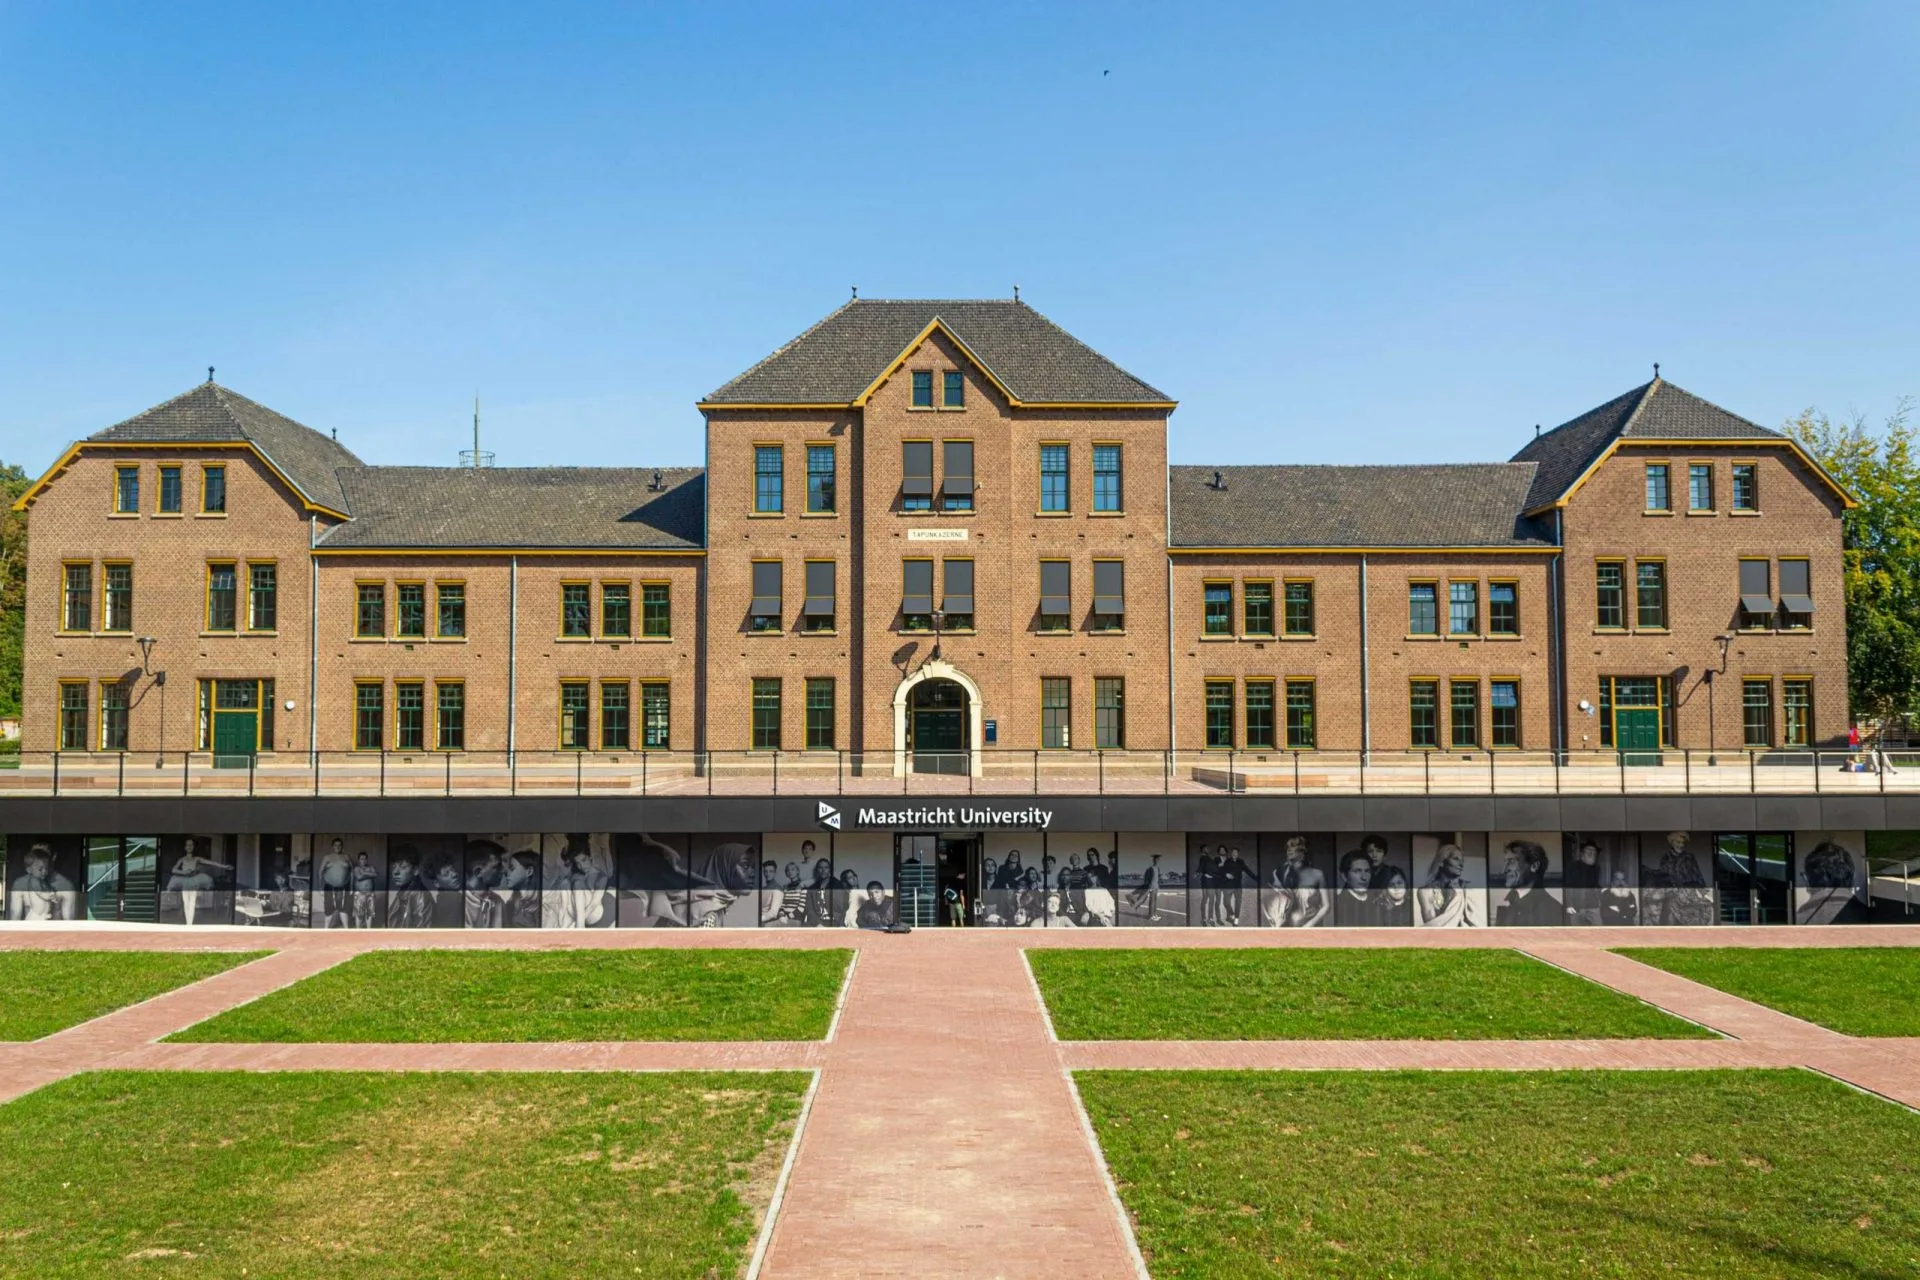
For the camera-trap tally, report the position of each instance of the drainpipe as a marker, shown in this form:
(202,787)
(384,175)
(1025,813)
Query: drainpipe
(1557,634)
(513,653)
(1366,698)
(313,640)
(1173,716)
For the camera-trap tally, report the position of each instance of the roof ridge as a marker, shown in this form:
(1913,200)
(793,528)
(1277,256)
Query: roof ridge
(1646,398)
(1307,466)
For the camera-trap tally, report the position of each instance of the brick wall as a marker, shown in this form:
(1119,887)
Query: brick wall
(73,520)
(1798,517)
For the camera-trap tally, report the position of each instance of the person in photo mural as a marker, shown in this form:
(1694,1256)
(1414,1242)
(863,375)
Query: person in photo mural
(1146,896)
(336,887)
(193,874)
(1447,900)
(1359,904)
(1527,904)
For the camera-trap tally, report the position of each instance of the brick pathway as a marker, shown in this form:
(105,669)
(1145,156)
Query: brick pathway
(944,1138)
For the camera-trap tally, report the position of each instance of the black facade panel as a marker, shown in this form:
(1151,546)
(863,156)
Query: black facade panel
(681,813)
(1848,813)
(1593,813)
(1526,813)
(1133,813)
(1903,813)
(1723,813)
(1199,813)
(1458,813)
(1787,813)
(1659,813)
(1266,813)
(1397,813)
(1332,813)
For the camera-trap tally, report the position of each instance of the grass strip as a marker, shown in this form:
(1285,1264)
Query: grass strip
(427,997)
(1335,993)
(1718,1174)
(42,992)
(373,1175)
(1857,991)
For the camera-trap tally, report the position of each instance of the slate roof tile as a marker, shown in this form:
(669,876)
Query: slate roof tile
(1456,505)
(837,359)
(558,508)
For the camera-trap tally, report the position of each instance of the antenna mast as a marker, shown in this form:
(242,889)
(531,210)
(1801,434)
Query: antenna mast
(476,456)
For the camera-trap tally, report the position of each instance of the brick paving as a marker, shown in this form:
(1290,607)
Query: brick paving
(945,1138)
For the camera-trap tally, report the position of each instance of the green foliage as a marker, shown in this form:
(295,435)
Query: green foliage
(13,586)
(1881,469)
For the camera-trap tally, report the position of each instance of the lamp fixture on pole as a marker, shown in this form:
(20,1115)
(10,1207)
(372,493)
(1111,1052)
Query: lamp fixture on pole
(1726,639)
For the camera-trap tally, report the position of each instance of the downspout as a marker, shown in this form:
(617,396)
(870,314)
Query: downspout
(1557,633)
(1366,693)
(313,640)
(1166,540)
(513,653)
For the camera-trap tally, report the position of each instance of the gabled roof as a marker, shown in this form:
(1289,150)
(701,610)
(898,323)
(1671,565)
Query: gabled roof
(213,414)
(522,508)
(1657,410)
(1464,505)
(1032,360)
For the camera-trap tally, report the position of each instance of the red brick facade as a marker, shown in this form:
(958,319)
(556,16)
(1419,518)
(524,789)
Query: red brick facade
(1327,645)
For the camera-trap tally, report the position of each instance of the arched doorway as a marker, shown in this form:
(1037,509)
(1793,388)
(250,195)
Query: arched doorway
(959,705)
(938,730)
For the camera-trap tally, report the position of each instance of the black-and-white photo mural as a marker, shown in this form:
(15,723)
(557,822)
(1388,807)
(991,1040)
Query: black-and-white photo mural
(1601,878)
(1451,871)
(1153,879)
(347,879)
(1527,887)
(196,879)
(1375,881)
(275,882)
(1830,880)
(863,860)
(1676,887)
(1085,875)
(44,877)
(796,880)
(576,880)
(1223,880)
(1296,879)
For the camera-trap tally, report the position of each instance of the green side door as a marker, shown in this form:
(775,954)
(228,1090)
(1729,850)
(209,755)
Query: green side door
(1636,734)
(236,736)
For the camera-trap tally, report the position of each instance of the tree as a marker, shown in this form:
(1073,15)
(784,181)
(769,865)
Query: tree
(13,586)
(1882,541)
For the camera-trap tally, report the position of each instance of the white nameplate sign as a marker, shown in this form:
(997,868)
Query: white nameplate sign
(936,535)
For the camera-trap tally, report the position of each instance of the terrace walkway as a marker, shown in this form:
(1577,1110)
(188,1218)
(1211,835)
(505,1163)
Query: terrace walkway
(994,771)
(945,1137)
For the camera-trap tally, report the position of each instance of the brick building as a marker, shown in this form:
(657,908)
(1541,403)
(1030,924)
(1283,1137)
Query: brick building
(934,537)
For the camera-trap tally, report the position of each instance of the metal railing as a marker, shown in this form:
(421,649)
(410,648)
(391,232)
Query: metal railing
(993,771)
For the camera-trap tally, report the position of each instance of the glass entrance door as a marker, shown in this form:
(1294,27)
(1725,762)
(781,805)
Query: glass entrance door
(916,880)
(103,877)
(1753,877)
(954,862)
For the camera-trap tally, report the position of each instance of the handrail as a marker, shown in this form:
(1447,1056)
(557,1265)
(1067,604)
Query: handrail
(1106,771)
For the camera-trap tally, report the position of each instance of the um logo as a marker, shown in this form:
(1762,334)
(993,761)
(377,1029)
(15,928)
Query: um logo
(827,816)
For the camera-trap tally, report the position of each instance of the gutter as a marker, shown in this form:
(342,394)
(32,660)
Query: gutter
(313,639)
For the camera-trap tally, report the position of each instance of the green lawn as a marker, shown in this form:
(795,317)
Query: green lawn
(419,997)
(1337,993)
(42,992)
(303,1174)
(1719,1174)
(1857,991)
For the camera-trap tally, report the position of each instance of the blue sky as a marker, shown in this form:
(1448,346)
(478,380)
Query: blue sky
(1334,233)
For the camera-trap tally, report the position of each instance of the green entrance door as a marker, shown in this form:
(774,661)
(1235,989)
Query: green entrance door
(937,727)
(1636,734)
(236,736)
